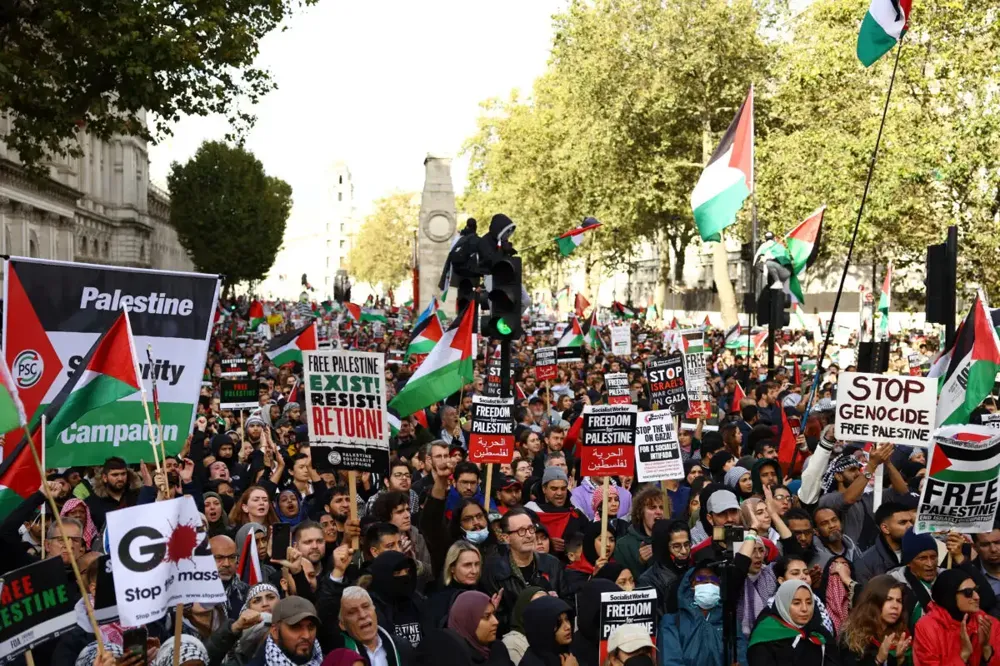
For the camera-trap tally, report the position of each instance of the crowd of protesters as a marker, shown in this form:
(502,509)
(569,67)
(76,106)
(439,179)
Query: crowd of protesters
(443,575)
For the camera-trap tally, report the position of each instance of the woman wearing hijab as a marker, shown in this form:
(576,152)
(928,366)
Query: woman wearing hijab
(515,639)
(617,574)
(343,657)
(875,632)
(288,507)
(78,509)
(954,627)
(587,638)
(617,526)
(548,624)
(782,636)
(474,619)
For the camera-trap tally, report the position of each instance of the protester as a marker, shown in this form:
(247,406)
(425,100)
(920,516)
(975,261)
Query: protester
(516,640)
(782,635)
(876,630)
(954,625)
(548,624)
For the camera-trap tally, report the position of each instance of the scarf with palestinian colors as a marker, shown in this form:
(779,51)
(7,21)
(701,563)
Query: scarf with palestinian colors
(772,628)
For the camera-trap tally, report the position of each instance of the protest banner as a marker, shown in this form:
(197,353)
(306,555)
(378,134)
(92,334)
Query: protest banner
(559,329)
(619,608)
(234,367)
(239,394)
(545,363)
(345,410)
(36,605)
(616,384)
(657,451)
(608,440)
(915,361)
(621,340)
(667,388)
(105,599)
(160,558)
(491,439)
(696,375)
(59,309)
(990,420)
(885,408)
(492,384)
(961,491)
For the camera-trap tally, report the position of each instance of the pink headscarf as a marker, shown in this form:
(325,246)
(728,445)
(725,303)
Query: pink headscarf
(598,497)
(464,617)
(342,657)
(89,529)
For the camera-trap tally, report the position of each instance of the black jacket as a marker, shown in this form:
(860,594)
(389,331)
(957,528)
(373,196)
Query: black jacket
(498,575)
(587,639)
(541,618)
(877,560)
(781,653)
(398,605)
(443,647)
(102,505)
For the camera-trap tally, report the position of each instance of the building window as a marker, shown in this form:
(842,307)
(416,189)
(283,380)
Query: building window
(107,249)
(33,245)
(93,247)
(341,245)
(340,179)
(82,250)
(142,252)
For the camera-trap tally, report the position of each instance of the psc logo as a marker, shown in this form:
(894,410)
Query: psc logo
(28,368)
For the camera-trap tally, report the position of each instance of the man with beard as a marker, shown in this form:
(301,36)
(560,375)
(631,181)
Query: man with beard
(556,512)
(338,505)
(254,429)
(309,540)
(400,480)
(112,493)
(893,520)
(224,551)
(830,540)
(292,639)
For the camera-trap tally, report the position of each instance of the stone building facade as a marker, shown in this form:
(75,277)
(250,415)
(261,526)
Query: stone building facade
(98,208)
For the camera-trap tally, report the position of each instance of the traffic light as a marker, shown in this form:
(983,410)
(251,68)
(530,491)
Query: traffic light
(764,307)
(505,300)
(780,302)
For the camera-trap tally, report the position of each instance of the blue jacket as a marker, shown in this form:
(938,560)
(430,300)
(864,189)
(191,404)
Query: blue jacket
(691,638)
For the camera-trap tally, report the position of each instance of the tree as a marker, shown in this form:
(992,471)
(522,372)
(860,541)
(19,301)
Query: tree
(230,216)
(72,64)
(382,251)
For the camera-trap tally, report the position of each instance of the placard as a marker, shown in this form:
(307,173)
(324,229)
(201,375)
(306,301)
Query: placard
(667,387)
(234,367)
(885,408)
(621,340)
(915,361)
(239,394)
(990,420)
(616,384)
(961,491)
(657,451)
(696,375)
(105,599)
(160,558)
(491,439)
(608,440)
(492,385)
(619,608)
(559,329)
(345,410)
(35,606)
(545,363)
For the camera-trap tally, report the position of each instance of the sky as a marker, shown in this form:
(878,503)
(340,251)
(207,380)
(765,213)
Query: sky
(378,85)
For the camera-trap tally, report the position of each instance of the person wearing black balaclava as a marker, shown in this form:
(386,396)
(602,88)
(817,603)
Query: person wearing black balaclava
(548,625)
(587,639)
(671,558)
(394,592)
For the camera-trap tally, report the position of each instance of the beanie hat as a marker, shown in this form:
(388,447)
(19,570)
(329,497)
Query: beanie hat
(254,420)
(914,544)
(733,476)
(554,474)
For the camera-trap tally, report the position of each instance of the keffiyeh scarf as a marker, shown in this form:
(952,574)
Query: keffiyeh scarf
(191,650)
(844,462)
(756,591)
(275,656)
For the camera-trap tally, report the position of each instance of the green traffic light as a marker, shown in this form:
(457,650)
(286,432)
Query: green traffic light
(503,328)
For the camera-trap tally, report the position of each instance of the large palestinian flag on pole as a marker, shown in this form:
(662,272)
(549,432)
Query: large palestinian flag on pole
(883,26)
(288,348)
(590,331)
(569,349)
(19,476)
(728,177)
(803,246)
(447,368)
(972,369)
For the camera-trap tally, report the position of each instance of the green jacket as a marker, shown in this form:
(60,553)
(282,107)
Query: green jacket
(627,550)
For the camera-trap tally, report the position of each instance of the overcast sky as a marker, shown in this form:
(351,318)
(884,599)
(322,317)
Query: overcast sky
(379,85)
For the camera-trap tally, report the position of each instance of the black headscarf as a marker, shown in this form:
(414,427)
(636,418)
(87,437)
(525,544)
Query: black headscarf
(610,571)
(945,590)
(541,619)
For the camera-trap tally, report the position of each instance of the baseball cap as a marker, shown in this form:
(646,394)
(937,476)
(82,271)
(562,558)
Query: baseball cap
(722,501)
(509,483)
(629,638)
(292,610)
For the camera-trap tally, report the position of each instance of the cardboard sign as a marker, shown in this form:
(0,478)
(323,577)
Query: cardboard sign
(234,367)
(545,363)
(666,383)
(608,440)
(961,492)
(35,606)
(657,451)
(619,608)
(696,375)
(621,340)
(105,599)
(618,390)
(491,439)
(345,410)
(885,408)
(160,558)
(239,394)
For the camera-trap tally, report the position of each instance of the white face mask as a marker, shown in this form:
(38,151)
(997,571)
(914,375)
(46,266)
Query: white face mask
(707,596)
(477,536)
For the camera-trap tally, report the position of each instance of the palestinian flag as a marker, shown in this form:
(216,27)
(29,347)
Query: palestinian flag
(707,323)
(19,475)
(580,305)
(108,373)
(353,311)
(431,308)
(561,295)
(572,239)
(288,348)
(693,341)
(425,335)
(256,315)
(394,422)
(590,335)
(803,246)
(883,26)
(975,360)
(733,336)
(965,454)
(622,310)
(249,563)
(728,177)
(884,300)
(738,396)
(570,346)
(12,414)
(372,314)
(447,368)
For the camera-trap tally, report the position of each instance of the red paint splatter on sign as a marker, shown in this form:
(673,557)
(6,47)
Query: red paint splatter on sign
(181,543)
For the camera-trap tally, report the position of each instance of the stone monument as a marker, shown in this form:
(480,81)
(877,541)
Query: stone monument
(437,229)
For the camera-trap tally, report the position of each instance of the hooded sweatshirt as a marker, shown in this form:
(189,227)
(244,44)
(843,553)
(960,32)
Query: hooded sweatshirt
(758,488)
(665,572)
(515,640)
(541,619)
(396,600)
(587,638)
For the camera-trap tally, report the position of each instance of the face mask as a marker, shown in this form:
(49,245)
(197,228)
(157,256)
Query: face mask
(707,595)
(639,660)
(477,536)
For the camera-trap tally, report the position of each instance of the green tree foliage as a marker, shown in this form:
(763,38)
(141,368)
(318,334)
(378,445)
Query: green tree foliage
(230,216)
(383,248)
(67,64)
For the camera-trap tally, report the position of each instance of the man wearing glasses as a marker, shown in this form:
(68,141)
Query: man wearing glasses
(224,551)
(400,480)
(516,566)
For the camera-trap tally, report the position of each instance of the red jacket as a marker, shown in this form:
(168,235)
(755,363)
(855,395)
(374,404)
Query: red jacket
(936,640)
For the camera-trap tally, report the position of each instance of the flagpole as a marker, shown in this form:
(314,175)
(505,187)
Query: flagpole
(854,236)
(156,405)
(142,395)
(44,482)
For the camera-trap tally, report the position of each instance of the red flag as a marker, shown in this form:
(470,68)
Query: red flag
(555,523)
(787,447)
(293,395)
(738,397)
(581,305)
(797,373)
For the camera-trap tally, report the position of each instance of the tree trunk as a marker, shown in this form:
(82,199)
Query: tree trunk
(720,258)
(662,284)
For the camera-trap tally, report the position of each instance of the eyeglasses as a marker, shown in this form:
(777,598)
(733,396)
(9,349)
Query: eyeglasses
(706,579)
(680,547)
(969,592)
(401,475)
(523,531)
(782,498)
